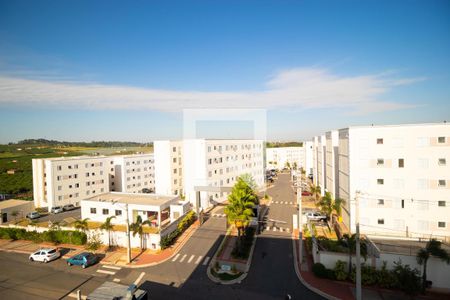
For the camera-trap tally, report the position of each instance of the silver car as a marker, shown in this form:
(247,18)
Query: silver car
(45,255)
(33,215)
(57,210)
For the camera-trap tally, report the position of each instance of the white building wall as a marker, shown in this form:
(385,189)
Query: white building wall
(332,162)
(397,200)
(278,158)
(309,159)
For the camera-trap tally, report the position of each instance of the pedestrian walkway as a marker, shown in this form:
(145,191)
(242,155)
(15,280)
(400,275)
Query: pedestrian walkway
(191,259)
(109,270)
(277,229)
(284,202)
(219,215)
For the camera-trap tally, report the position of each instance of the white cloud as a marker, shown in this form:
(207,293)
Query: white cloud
(304,88)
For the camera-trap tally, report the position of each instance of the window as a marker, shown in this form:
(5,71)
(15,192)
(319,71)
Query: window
(442,162)
(69,167)
(441,183)
(380,181)
(58,177)
(422,184)
(441,139)
(403,203)
(59,168)
(380,162)
(401,163)
(380,221)
(118,212)
(87,174)
(77,185)
(174,171)
(174,149)
(441,224)
(59,187)
(441,203)
(422,141)
(174,159)
(422,163)
(93,210)
(380,201)
(59,198)
(105,211)
(380,141)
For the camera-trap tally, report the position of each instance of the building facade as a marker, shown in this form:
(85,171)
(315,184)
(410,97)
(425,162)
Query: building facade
(183,166)
(67,180)
(285,157)
(331,183)
(400,177)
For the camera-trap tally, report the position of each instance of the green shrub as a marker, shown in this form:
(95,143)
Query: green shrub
(53,236)
(170,238)
(319,270)
(408,280)
(340,270)
(386,278)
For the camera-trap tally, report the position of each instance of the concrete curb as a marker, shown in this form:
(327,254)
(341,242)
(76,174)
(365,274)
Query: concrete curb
(310,287)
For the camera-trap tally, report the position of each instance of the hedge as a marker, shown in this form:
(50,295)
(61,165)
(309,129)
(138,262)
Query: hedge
(170,238)
(53,236)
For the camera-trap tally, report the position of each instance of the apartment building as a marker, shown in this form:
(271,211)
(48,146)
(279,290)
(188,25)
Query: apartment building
(331,183)
(319,150)
(183,166)
(282,157)
(133,173)
(67,180)
(402,173)
(309,145)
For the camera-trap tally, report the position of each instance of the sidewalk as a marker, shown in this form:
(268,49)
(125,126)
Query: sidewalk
(116,257)
(331,289)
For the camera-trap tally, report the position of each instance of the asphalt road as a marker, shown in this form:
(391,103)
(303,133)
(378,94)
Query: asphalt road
(271,276)
(76,213)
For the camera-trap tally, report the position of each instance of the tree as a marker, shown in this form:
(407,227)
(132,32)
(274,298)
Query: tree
(349,241)
(295,165)
(287,165)
(138,228)
(328,205)
(239,211)
(315,191)
(432,248)
(82,225)
(108,226)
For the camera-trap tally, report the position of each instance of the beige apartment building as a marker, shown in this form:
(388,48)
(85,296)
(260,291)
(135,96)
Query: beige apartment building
(67,180)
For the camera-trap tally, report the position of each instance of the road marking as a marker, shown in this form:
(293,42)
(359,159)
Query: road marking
(111,267)
(136,282)
(281,229)
(116,280)
(267,228)
(191,258)
(274,228)
(198,259)
(184,256)
(176,257)
(106,272)
(205,262)
(288,230)
(74,295)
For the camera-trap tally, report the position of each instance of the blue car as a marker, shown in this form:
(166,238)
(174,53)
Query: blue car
(84,260)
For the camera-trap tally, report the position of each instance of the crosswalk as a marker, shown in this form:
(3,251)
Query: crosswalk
(284,202)
(219,215)
(191,259)
(278,229)
(108,270)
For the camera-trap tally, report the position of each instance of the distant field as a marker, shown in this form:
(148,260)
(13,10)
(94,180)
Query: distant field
(18,157)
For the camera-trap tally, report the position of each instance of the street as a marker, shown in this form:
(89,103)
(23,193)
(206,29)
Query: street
(271,276)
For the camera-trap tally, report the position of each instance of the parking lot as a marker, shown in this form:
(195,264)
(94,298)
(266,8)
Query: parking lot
(76,213)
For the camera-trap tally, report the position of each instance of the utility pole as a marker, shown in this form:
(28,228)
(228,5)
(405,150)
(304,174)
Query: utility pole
(300,233)
(128,235)
(358,250)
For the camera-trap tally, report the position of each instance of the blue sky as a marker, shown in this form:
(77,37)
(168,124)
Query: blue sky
(119,70)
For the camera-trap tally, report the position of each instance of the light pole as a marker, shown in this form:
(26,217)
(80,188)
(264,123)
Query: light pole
(128,231)
(300,233)
(358,251)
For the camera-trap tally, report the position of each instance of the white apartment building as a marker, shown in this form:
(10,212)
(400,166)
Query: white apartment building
(133,173)
(403,175)
(331,183)
(67,180)
(309,160)
(319,163)
(181,166)
(282,157)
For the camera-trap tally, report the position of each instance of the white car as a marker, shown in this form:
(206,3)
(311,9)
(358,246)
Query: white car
(57,209)
(45,255)
(316,216)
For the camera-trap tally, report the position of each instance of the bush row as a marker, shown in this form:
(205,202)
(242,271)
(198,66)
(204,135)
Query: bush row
(53,236)
(170,238)
(400,277)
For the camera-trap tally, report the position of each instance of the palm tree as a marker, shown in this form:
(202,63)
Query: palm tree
(82,224)
(349,241)
(328,205)
(433,248)
(138,228)
(108,226)
(315,191)
(239,211)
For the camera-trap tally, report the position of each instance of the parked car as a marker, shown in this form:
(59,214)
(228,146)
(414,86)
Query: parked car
(33,215)
(45,255)
(57,210)
(84,260)
(68,207)
(306,193)
(316,216)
